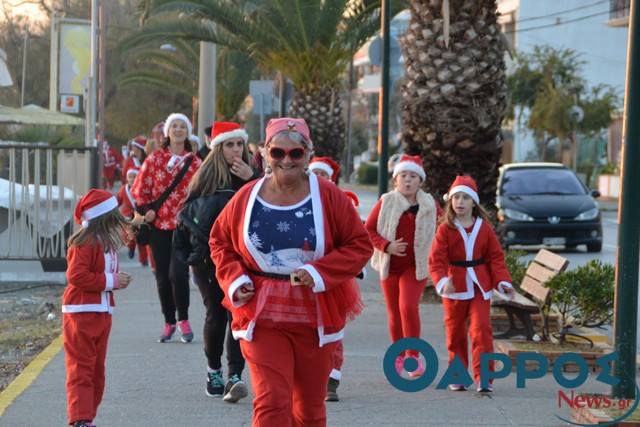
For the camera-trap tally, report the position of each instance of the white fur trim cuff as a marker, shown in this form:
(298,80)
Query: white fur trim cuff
(238,133)
(504,285)
(111,281)
(242,280)
(408,166)
(177,116)
(318,283)
(100,209)
(466,190)
(321,166)
(440,285)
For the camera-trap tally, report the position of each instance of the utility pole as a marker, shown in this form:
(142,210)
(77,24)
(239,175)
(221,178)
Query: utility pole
(102,66)
(206,87)
(53,65)
(626,297)
(282,92)
(24,67)
(383,118)
(348,124)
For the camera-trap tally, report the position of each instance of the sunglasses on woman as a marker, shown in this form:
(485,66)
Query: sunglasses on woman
(278,153)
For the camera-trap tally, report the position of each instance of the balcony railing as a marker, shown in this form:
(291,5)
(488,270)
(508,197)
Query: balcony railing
(619,12)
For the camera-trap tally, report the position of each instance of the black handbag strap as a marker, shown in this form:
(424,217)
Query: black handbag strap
(158,203)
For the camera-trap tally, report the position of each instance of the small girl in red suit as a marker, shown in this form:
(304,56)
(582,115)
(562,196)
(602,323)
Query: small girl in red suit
(467,263)
(401,226)
(87,303)
(127,207)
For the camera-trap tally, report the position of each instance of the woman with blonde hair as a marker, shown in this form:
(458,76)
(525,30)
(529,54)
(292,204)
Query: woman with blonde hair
(224,170)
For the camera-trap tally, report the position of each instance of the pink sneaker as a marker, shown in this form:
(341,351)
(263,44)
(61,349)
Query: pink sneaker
(419,370)
(167,332)
(185,331)
(399,364)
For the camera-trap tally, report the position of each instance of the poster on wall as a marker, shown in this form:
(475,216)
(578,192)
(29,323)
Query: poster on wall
(75,58)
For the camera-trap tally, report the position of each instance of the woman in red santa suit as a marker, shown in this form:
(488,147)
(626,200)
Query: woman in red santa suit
(401,226)
(159,192)
(287,248)
(87,303)
(467,263)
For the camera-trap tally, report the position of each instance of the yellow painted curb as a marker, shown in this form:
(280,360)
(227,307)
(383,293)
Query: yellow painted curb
(29,374)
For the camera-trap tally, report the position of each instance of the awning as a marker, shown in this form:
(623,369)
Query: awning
(35,115)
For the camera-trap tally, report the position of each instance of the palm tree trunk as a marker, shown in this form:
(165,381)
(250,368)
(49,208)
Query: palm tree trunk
(455,93)
(322,110)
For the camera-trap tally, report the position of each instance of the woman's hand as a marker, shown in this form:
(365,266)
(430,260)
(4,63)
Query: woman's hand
(305,277)
(124,280)
(150,215)
(397,247)
(244,293)
(448,288)
(241,170)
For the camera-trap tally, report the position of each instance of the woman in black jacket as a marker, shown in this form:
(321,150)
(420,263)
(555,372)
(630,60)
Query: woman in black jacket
(224,170)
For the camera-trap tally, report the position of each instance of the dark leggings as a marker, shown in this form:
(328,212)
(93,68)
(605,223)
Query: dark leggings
(216,320)
(172,277)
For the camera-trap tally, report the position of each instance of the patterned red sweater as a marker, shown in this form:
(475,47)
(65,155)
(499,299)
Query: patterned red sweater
(156,174)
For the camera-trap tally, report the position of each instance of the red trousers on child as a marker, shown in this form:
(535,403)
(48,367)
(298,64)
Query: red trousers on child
(144,253)
(402,293)
(289,374)
(338,359)
(477,312)
(85,338)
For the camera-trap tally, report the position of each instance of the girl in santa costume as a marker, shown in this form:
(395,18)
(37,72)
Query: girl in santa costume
(112,163)
(127,205)
(328,169)
(173,165)
(401,226)
(87,303)
(224,171)
(467,263)
(287,248)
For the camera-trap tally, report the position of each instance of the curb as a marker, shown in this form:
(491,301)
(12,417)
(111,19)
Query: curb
(29,374)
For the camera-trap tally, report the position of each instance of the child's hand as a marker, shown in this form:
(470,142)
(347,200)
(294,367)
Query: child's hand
(244,293)
(397,247)
(508,292)
(150,216)
(124,279)
(305,277)
(448,288)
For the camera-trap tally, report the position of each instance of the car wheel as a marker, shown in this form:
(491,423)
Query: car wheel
(594,247)
(571,247)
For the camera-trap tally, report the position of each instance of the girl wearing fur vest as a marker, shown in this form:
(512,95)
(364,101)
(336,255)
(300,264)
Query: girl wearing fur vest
(401,226)
(466,264)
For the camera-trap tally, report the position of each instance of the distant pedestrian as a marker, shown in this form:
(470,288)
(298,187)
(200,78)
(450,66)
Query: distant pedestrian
(112,165)
(127,205)
(87,303)
(401,226)
(224,171)
(466,264)
(136,156)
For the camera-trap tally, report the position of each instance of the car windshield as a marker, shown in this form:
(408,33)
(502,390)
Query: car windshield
(540,181)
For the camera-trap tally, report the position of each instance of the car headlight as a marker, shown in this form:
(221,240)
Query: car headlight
(587,215)
(518,216)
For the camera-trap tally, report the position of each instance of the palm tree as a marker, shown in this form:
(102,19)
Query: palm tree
(454,92)
(308,41)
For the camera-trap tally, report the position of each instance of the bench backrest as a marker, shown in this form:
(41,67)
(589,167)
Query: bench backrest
(544,266)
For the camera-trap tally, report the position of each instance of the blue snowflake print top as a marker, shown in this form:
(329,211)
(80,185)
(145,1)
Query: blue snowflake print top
(284,236)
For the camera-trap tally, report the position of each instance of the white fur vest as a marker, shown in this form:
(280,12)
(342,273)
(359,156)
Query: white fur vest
(393,206)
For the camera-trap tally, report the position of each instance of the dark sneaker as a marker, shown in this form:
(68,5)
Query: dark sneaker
(215,384)
(186,334)
(132,252)
(167,332)
(457,387)
(144,263)
(235,389)
(332,391)
(487,389)
(83,424)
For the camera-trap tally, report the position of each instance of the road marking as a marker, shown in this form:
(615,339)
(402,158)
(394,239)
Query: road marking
(29,374)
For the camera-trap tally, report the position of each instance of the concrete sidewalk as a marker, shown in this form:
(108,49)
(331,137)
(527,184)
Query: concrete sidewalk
(151,384)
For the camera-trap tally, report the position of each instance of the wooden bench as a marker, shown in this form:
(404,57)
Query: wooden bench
(544,266)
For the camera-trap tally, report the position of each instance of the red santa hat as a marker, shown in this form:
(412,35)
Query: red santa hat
(353,197)
(132,171)
(173,117)
(464,184)
(326,164)
(140,142)
(224,131)
(410,164)
(92,205)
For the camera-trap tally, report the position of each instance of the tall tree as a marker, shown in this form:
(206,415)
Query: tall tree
(309,41)
(455,92)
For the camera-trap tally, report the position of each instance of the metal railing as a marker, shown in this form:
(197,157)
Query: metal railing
(39,188)
(619,9)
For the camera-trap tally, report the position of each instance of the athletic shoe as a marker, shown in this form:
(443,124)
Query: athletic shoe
(457,387)
(487,389)
(235,389)
(132,252)
(419,370)
(144,263)
(83,423)
(185,331)
(332,391)
(215,384)
(167,332)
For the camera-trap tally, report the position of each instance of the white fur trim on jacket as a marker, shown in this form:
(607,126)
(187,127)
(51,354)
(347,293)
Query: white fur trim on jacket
(408,166)
(394,205)
(177,116)
(238,133)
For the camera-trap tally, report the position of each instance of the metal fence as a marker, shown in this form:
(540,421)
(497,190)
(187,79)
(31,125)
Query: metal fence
(39,188)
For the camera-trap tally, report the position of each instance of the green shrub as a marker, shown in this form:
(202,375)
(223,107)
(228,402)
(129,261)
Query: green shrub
(368,173)
(609,169)
(517,268)
(586,294)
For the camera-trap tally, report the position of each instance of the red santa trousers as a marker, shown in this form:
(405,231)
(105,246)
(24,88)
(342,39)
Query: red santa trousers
(402,293)
(338,359)
(109,176)
(85,346)
(143,251)
(476,311)
(289,374)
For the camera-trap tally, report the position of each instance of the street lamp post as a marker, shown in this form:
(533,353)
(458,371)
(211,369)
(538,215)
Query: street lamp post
(383,118)
(206,87)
